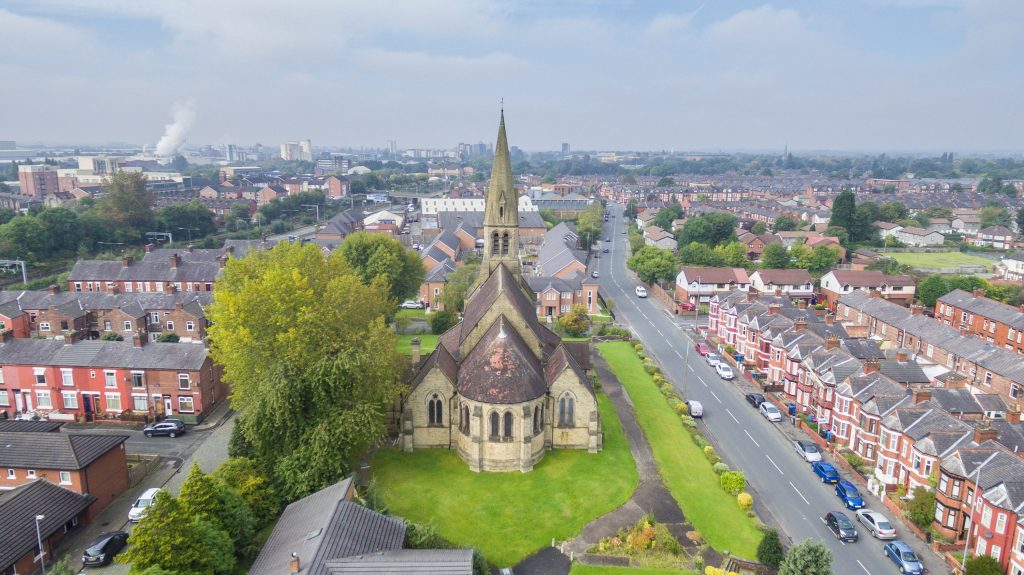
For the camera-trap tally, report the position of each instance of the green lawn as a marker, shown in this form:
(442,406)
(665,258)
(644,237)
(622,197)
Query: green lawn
(427,343)
(411,313)
(940,260)
(685,470)
(581,569)
(508,516)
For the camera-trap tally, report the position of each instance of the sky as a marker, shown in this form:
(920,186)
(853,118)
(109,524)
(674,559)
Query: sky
(843,75)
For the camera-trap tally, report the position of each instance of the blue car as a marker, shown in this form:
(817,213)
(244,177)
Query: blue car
(849,494)
(825,471)
(904,557)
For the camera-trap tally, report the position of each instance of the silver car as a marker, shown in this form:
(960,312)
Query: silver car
(807,450)
(713,359)
(878,525)
(724,371)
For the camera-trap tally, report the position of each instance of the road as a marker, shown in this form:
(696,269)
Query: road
(180,447)
(780,479)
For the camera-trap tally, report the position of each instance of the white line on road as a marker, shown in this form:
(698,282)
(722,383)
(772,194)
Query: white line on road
(659,332)
(798,493)
(714,394)
(705,384)
(680,355)
(730,414)
(645,315)
(775,464)
(691,369)
(751,437)
(863,567)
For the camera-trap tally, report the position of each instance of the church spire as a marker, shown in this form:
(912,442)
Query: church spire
(501,210)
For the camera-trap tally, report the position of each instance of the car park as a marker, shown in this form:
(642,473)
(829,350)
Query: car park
(641,291)
(904,557)
(696,409)
(411,304)
(168,427)
(877,524)
(825,471)
(769,411)
(807,450)
(142,504)
(841,526)
(848,493)
(755,399)
(103,549)
(713,359)
(702,348)
(724,371)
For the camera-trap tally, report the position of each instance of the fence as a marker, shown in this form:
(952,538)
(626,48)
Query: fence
(144,465)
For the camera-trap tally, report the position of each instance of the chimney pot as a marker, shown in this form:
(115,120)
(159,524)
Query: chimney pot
(1013,415)
(984,433)
(901,355)
(53,289)
(294,566)
(874,294)
(149,248)
(920,395)
(830,318)
(175,260)
(126,261)
(832,342)
(978,292)
(916,309)
(870,366)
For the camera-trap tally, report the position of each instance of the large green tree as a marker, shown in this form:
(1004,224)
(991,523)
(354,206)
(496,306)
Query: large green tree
(697,254)
(893,211)
(379,256)
(191,220)
(776,256)
(844,211)
(710,229)
(734,254)
(665,216)
(652,264)
(808,557)
(785,223)
(931,289)
(127,202)
(995,216)
(589,224)
(243,475)
(457,285)
(1019,219)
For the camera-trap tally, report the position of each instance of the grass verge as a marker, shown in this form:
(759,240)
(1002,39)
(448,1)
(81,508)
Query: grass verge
(427,343)
(411,313)
(581,569)
(684,469)
(939,259)
(508,516)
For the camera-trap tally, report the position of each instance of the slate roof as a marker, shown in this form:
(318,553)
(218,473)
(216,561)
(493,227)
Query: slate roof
(98,353)
(47,450)
(406,561)
(326,526)
(18,510)
(152,270)
(11,426)
(783,277)
(862,348)
(558,251)
(440,271)
(714,275)
(136,304)
(501,368)
(451,220)
(870,278)
(985,307)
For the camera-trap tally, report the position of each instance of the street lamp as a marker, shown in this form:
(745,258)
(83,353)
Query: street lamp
(39,539)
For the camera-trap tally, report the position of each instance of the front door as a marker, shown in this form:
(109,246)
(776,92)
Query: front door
(87,406)
(18,404)
(27,398)
(168,406)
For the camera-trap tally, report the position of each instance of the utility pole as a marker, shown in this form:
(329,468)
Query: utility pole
(16,263)
(316,207)
(189,230)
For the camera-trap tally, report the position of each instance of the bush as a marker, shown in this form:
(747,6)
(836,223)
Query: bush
(688,422)
(111,336)
(709,570)
(168,338)
(921,509)
(638,346)
(720,468)
(712,456)
(855,461)
(700,440)
(982,565)
(650,368)
(745,501)
(698,564)
(733,482)
(442,321)
(770,551)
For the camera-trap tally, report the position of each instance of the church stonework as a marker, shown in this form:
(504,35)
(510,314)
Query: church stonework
(500,388)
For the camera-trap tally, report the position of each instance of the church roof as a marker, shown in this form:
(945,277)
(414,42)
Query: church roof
(501,368)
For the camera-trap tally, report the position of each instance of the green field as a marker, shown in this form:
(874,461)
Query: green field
(939,259)
(411,313)
(581,569)
(684,469)
(427,343)
(508,516)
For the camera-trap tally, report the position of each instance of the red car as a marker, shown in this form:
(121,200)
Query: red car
(702,348)
(687,306)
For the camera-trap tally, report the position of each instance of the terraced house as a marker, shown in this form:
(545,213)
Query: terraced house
(997,323)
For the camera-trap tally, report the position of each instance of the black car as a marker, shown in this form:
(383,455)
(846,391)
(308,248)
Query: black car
(168,427)
(755,399)
(606,250)
(841,526)
(102,550)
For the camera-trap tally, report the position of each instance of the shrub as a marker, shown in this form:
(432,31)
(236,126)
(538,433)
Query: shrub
(641,355)
(720,468)
(111,336)
(730,350)
(441,321)
(700,440)
(712,456)
(168,338)
(637,345)
(650,368)
(770,551)
(688,422)
(745,501)
(733,482)
(709,570)
(855,461)
(698,564)
(921,509)
(982,565)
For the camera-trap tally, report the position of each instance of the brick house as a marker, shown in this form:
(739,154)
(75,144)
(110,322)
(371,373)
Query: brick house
(90,464)
(336,188)
(433,285)
(895,288)
(999,237)
(62,510)
(659,238)
(997,323)
(1011,267)
(555,296)
(183,271)
(700,284)
(793,283)
(756,242)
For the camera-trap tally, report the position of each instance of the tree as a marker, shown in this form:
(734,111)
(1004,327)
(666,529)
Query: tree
(893,211)
(995,216)
(982,565)
(931,289)
(776,256)
(844,209)
(26,238)
(61,567)
(311,362)
(62,227)
(236,517)
(631,207)
(127,202)
(710,229)
(457,285)
(734,254)
(921,509)
(784,223)
(198,497)
(1020,220)
(809,557)
(994,185)
(758,228)
(864,219)
(589,224)
(665,216)
(156,570)
(819,260)
(196,219)
(666,181)
(652,264)
(769,550)
(242,475)
(179,163)
(576,321)
(842,234)
(378,256)
(442,321)
(695,254)
(967,283)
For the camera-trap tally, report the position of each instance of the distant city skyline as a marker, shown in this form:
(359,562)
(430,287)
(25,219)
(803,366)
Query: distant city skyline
(858,76)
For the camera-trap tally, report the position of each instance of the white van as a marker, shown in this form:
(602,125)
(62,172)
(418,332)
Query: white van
(142,504)
(641,291)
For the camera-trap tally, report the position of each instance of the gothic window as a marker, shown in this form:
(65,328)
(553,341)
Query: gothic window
(495,248)
(495,425)
(536,418)
(508,425)
(566,411)
(465,419)
(434,412)
(501,214)
(504,244)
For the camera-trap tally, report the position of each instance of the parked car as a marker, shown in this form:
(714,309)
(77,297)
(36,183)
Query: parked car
(878,525)
(825,471)
(103,549)
(607,239)
(168,427)
(687,306)
(849,494)
(904,557)
(724,371)
(713,359)
(696,409)
(702,348)
(755,399)
(841,526)
(808,450)
(411,304)
(769,411)
(593,274)
(142,504)
(641,291)
(606,250)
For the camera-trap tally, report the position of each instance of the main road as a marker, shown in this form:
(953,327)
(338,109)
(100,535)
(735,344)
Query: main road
(780,479)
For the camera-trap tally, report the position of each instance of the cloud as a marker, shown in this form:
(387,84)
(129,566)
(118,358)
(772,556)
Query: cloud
(36,38)
(669,25)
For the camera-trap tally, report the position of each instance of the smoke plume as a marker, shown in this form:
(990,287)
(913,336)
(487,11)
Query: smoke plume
(174,133)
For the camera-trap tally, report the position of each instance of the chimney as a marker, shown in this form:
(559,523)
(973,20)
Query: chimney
(415,346)
(965,331)
(920,395)
(229,249)
(901,355)
(175,260)
(874,294)
(136,339)
(294,566)
(985,432)
(978,292)
(188,248)
(801,304)
(778,292)
(53,289)
(830,318)
(774,308)
(1013,415)
(115,289)
(171,288)
(916,309)
(222,261)
(831,342)
(800,324)
(870,365)
(752,296)
(126,261)
(149,248)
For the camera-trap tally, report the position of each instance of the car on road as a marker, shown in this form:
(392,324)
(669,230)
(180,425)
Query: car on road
(904,557)
(142,504)
(168,427)
(696,409)
(841,526)
(878,525)
(607,239)
(713,359)
(848,493)
(641,291)
(808,450)
(769,411)
(825,471)
(687,306)
(724,371)
(606,250)
(755,399)
(593,274)
(624,232)
(103,549)
(702,348)
(411,304)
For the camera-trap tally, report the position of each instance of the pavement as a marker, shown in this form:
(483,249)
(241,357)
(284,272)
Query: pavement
(786,494)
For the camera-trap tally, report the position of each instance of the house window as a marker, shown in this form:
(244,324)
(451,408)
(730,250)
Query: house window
(70,399)
(64,325)
(110,379)
(931,350)
(943,483)
(11,474)
(127,325)
(190,326)
(495,420)
(464,420)
(988,378)
(170,326)
(67,378)
(78,286)
(113,402)
(536,419)
(31,473)
(139,402)
(43,400)
(508,422)
(986,517)
(183,382)
(5,400)
(44,326)
(434,413)
(106,325)
(137,380)
(65,478)
(186,404)
(1001,523)
(566,411)
(154,317)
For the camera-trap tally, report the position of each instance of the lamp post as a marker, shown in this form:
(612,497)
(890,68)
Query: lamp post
(39,539)
(970,526)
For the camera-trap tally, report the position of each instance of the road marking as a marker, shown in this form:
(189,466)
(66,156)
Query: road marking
(645,315)
(863,567)
(702,382)
(659,332)
(751,437)
(775,464)
(691,369)
(730,414)
(714,394)
(680,355)
(800,494)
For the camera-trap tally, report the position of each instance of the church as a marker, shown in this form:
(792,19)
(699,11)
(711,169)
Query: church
(500,388)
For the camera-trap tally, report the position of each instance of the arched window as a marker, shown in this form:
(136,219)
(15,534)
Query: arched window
(566,411)
(501,213)
(504,244)
(434,413)
(536,418)
(508,425)
(495,245)
(495,425)
(465,419)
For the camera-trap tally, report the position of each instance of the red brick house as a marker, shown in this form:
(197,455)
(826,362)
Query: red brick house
(997,323)
(895,288)
(62,510)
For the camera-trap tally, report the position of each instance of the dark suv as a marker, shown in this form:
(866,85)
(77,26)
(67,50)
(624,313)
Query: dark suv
(168,427)
(102,550)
